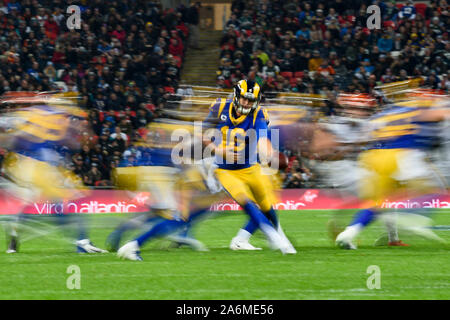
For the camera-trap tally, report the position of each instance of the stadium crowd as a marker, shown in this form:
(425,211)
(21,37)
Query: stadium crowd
(124,62)
(326,48)
(322,46)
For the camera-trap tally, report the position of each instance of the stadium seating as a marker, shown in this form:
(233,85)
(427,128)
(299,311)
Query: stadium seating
(272,41)
(421,8)
(100,63)
(287,74)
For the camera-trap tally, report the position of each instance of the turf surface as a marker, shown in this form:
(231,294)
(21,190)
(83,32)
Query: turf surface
(318,271)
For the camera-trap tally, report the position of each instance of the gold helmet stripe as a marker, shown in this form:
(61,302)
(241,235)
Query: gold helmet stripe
(243,85)
(256,90)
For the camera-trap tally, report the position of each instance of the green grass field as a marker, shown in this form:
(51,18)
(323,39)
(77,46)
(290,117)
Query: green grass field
(318,271)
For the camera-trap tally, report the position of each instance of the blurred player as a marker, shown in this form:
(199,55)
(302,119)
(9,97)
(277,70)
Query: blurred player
(243,139)
(37,126)
(337,140)
(170,184)
(396,161)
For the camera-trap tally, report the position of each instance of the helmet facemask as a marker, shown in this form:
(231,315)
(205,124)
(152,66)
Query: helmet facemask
(251,97)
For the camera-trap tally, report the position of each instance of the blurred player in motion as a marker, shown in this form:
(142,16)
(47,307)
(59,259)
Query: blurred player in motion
(396,162)
(171,184)
(242,140)
(337,141)
(36,127)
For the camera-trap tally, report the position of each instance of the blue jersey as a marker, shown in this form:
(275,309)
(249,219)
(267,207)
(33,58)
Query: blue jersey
(148,156)
(156,149)
(242,133)
(398,127)
(41,132)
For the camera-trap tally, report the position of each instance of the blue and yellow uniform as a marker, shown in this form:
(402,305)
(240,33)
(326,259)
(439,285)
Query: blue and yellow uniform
(395,155)
(36,137)
(161,170)
(242,178)
(34,161)
(154,160)
(154,171)
(396,166)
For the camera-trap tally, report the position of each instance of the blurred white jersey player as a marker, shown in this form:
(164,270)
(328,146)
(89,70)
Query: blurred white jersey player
(396,159)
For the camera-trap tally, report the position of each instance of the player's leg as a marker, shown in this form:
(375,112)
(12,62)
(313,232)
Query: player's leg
(12,236)
(263,191)
(66,185)
(377,184)
(185,235)
(420,181)
(167,224)
(173,226)
(242,239)
(361,220)
(115,237)
(160,181)
(234,183)
(179,229)
(240,192)
(176,230)
(19,185)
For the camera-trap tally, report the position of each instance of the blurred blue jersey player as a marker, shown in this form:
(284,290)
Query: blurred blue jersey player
(396,160)
(157,173)
(33,136)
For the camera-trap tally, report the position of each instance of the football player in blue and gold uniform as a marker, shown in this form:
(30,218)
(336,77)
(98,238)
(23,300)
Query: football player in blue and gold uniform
(171,181)
(241,145)
(36,127)
(396,160)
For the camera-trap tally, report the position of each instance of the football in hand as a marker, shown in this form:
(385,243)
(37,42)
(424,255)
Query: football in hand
(283,161)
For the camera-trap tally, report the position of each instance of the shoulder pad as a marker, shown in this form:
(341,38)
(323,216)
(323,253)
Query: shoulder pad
(215,106)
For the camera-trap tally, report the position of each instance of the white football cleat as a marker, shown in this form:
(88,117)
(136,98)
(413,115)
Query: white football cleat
(11,251)
(240,244)
(86,246)
(130,251)
(344,239)
(288,248)
(344,243)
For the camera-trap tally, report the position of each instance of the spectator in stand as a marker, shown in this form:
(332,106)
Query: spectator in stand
(315,62)
(303,32)
(410,44)
(325,68)
(193,19)
(300,86)
(270,70)
(117,62)
(385,43)
(408,11)
(444,84)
